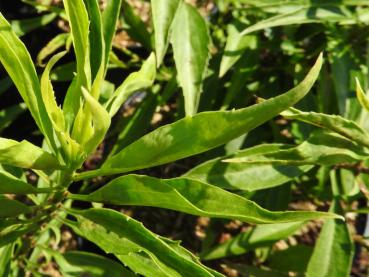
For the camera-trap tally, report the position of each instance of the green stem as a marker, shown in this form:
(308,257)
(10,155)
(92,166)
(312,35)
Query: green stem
(87,175)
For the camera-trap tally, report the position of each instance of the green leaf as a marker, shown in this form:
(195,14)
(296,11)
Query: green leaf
(91,124)
(134,26)
(142,79)
(24,26)
(64,73)
(163,13)
(15,59)
(121,235)
(295,258)
(189,196)
(79,263)
(53,45)
(12,185)
(26,155)
(6,253)
(109,19)
(12,233)
(247,176)
(335,123)
(190,40)
(70,148)
(12,208)
(7,222)
(361,96)
(142,264)
(334,250)
(302,15)
(55,112)
(193,135)
(259,236)
(79,24)
(96,38)
(100,122)
(236,46)
(321,148)
(132,128)
(281,3)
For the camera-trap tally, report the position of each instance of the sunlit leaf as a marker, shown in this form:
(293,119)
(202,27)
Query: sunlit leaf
(190,40)
(121,235)
(25,154)
(334,250)
(136,81)
(193,135)
(189,196)
(163,13)
(247,176)
(321,148)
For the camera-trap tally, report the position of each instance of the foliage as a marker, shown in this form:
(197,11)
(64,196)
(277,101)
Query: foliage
(205,64)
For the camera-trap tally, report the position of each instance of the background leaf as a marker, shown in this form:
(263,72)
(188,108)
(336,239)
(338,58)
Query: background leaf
(190,42)
(163,13)
(333,251)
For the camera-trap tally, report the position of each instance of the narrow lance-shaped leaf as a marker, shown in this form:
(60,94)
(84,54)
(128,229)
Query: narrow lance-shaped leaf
(258,236)
(48,95)
(134,25)
(190,40)
(321,148)
(100,122)
(361,96)
(335,123)
(70,148)
(247,176)
(96,38)
(121,235)
(79,24)
(6,253)
(26,155)
(333,251)
(54,44)
(235,47)
(163,13)
(12,233)
(190,196)
(11,208)
(302,14)
(12,185)
(109,18)
(142,264)
(193,135)
(77,263)
(136,81)
(24,26)
(280,3)
(18,63)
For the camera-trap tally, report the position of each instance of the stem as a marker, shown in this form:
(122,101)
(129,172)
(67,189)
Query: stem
(80,197)
(87,175)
